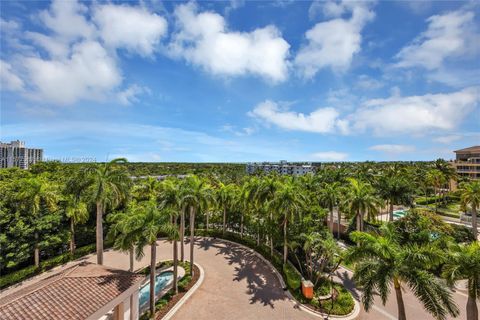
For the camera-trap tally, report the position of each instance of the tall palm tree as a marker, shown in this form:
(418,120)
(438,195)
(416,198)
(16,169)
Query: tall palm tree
(330,197)
(288,201)
(169,197)
(196,196)
(37,192)
(75,206)
(470,197)
(436,179)
(463,263)
(395,190)
(225,198)
(77,211)
(264,192)
(361,199)
(109,186)
(380,262)
(150,222)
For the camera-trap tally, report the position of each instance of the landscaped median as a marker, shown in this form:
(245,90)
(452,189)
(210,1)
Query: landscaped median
(339,305)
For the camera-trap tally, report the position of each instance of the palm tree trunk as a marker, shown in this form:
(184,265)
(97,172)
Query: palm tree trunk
(331,219)
(182,235)
(472,309)
(400,305)
(271,236)
(359,225)
(435,195)
(153,259)
(241,226)
(224,220)
(338,225)
(474,223)
(391,211)
(131,254)
(72,237)
(36,252)
(99,233)
(192,230)
(285,247)
(175,265)
(206,214)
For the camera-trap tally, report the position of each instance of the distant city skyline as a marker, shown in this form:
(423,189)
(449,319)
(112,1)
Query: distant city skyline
(240,81)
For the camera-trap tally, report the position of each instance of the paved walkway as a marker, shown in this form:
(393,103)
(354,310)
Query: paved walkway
(239,285)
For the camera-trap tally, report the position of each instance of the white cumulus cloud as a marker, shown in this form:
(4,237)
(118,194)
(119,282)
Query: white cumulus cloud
(88,73)
(448,35)
(415,114)
(133,28)
(203,39)
(79,61)
(333,43)
(322,120)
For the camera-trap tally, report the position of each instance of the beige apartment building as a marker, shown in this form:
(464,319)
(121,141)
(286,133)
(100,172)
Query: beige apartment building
(467,163)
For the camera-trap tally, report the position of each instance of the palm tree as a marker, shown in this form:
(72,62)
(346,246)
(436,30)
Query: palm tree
(470,197)
(77,211)
(436,179)
(75,207)
(196,196)
(109,186)
(395,190)
(226,197)
(330,197)
(381,261)
(361,200)
(37,192)
(150,222)
(263,193)
(169,197)
(287,201)
(463,263)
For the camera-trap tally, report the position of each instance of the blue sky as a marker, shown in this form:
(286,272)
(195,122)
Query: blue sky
(241,81)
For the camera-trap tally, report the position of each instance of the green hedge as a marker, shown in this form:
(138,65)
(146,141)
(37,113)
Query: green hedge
(294,279)
(45,265)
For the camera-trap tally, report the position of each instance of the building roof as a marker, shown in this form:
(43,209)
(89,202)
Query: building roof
(73,293)
(468,150)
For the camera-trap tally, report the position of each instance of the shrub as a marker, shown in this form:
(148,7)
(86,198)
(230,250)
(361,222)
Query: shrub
(294,280)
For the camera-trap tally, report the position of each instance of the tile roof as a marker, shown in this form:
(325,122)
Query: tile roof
(73,293)
(470,149)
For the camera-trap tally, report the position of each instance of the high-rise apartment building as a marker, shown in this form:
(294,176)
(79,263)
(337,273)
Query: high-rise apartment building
(16,154)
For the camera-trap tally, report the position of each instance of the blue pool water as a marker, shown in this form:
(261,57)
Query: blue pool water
(161,281)
(399,213)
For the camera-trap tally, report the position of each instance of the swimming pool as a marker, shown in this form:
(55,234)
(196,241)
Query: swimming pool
(161,281)
(399,213)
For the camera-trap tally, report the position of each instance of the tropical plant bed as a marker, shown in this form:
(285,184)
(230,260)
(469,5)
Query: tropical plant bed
(169,300)
(340,303)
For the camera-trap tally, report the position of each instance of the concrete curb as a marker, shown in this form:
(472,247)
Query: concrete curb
(184,299)
(351,316)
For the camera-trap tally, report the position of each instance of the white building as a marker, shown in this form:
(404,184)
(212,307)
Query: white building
(282,167)
(16,154)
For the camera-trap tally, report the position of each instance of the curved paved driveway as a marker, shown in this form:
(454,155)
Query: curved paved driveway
(237,285)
